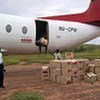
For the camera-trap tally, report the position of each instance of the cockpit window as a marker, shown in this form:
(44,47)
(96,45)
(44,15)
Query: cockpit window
(24,30)
(8,28)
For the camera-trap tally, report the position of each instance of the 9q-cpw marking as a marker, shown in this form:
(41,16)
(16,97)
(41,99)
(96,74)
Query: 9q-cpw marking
(69,29)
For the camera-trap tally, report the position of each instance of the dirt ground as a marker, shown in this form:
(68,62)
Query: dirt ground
(28,78)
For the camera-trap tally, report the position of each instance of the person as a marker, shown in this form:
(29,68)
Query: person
(43,42)
(57,55)
(1,70)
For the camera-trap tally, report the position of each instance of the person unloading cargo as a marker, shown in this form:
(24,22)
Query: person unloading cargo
(57,55)
(43,42)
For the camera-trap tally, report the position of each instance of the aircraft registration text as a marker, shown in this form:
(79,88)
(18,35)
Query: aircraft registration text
(69,29)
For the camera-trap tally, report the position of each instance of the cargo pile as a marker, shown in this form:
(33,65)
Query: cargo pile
(71,71)
(96,62)
(67,71)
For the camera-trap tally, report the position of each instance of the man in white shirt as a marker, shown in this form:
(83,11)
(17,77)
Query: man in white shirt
(1,70)
(57,55)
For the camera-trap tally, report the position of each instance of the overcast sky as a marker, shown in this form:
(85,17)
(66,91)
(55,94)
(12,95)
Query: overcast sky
(37,8)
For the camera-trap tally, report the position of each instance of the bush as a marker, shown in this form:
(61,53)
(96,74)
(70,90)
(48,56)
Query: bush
(26,96)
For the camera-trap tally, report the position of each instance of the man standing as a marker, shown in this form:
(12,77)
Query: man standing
(1,70)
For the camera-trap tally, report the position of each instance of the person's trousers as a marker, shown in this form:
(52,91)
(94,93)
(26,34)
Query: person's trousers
(1,75)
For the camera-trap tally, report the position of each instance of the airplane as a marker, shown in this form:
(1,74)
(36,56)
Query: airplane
(19,35)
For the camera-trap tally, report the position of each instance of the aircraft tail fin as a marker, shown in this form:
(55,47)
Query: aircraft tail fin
(90,16)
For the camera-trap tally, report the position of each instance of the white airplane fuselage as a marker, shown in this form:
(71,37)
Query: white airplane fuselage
(61,34)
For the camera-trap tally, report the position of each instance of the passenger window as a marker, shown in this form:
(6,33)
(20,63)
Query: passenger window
(8,28)
(24,30)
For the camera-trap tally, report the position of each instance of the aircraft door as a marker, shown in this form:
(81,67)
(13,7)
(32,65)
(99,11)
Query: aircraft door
(42,35)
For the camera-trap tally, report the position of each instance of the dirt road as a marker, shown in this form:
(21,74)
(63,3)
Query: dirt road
(28,78)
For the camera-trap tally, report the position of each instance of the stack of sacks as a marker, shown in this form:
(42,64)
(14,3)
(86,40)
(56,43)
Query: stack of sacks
(55,71)
(90,77)
(69,55)
(83,68)
(92,68)
(67,71)
(97,68)
(45,73)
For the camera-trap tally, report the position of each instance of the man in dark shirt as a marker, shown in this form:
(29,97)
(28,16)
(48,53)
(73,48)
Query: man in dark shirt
(1,70)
